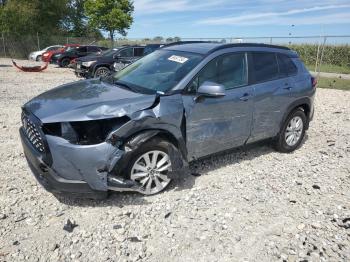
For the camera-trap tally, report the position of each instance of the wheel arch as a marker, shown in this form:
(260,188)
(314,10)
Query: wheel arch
(304,104)
(143,136)
(135,140)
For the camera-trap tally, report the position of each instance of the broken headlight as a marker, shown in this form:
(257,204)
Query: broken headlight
(88,64)
(85,132)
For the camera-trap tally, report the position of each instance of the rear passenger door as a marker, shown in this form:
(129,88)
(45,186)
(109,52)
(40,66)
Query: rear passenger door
(214,124)
(288,70)
(272,88)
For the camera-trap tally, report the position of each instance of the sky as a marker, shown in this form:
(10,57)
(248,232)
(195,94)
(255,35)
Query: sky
(232,18)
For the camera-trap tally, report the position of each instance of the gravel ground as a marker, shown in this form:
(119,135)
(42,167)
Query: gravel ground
(247,205)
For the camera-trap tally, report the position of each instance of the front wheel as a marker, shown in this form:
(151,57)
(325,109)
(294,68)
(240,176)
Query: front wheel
(64,62)
(292,132)
(150,165)
(39,58)
(101,72)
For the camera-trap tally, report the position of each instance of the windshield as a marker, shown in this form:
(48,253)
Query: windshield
(158,71)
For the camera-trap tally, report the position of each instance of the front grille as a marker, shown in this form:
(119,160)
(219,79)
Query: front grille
(33,133)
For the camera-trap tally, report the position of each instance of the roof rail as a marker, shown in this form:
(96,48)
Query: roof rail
(187,42)
(247,45)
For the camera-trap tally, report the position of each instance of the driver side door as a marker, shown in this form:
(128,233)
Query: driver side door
(215,124)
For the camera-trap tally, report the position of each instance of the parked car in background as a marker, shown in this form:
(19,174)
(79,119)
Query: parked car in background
(46,57)
(64,59)
(121,63)
(136,130)
(101,65)
(37,55)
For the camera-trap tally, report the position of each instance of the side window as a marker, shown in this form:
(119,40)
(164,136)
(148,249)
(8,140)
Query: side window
(52,48)
(286,65)
(265,66)
(138,51)
(229,70)
(82,49)
(93,49)
(127,52)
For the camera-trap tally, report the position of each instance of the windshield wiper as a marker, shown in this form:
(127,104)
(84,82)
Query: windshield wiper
(116,82)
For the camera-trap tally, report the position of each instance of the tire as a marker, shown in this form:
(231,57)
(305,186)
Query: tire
(153,179)
(64,62)
(39,58)
(102,71)
(292,132)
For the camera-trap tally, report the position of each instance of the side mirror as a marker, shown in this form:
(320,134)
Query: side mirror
(117,55)
(211,89)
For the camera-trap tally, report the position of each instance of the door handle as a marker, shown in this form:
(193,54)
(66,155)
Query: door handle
(244,97)
(287,86)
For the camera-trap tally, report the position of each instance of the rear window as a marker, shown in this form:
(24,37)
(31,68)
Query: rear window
(265,66)
(286,65)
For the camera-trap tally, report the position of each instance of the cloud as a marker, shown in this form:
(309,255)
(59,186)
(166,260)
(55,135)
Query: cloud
(157,6)
(284,17)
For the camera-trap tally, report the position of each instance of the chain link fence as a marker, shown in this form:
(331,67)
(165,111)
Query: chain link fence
(15,46)
(320,53)
(331,52)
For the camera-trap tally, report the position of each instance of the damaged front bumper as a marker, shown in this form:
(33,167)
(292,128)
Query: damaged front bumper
(77,170)
(81,71)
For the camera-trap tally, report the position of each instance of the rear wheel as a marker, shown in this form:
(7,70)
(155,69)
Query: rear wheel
(149,166)
(292,132)
(102,71)
(65,62)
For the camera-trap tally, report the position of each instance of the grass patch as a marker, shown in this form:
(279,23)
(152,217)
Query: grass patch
(334,83)
(327,68)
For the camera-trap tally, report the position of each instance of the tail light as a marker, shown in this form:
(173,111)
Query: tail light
(313,81)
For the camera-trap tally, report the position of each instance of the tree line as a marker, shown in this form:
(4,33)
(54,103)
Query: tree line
(79,18)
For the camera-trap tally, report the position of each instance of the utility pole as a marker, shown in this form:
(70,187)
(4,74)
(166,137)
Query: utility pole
(37,37)
(321,58)
(3,43)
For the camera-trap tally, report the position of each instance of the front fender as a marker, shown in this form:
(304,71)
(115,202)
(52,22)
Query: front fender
(166,116)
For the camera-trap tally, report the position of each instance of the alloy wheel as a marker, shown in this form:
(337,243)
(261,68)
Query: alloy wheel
(294,131)
(150,171)
(102,72)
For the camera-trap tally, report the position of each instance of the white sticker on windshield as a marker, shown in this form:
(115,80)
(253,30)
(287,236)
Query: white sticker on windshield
(178,59)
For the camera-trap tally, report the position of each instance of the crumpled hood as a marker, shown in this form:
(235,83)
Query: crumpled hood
(87,100)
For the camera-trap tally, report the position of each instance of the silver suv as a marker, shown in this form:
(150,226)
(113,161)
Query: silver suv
(139,128)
